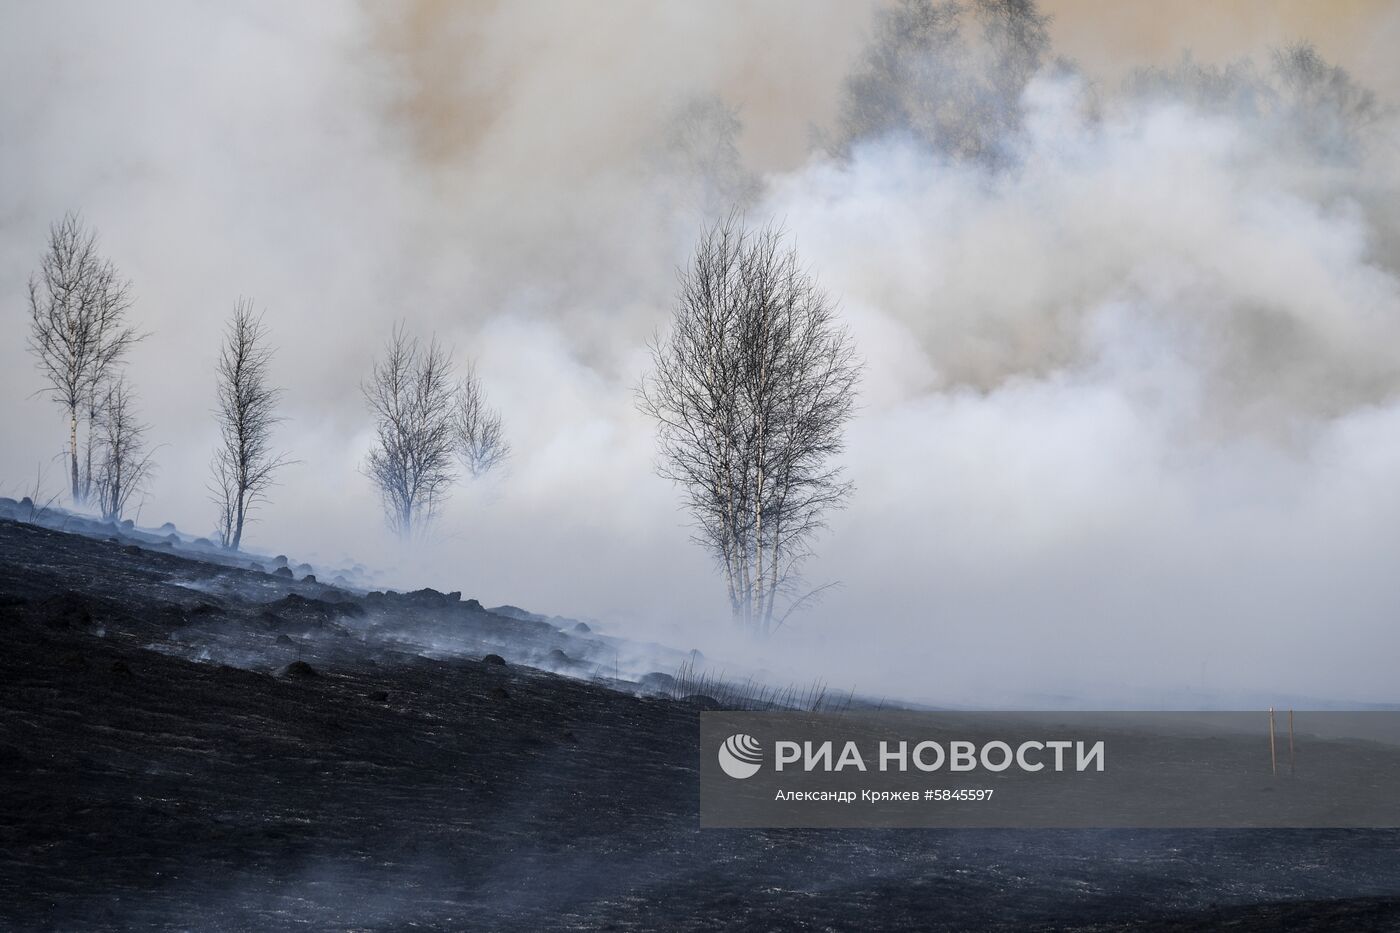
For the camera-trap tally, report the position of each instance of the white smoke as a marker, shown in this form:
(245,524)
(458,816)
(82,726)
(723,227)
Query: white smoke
(1129,421)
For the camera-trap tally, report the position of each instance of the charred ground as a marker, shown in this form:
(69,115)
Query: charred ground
(190,742)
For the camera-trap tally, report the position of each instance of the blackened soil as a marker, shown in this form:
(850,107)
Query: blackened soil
(185,748)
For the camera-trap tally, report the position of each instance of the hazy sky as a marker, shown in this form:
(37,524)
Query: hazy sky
(1129,425)
(1111,38)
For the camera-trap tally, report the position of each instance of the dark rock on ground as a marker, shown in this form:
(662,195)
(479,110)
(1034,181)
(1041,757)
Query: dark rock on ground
(314,611)
(701,701)
(499,693)
(283,571)
(657,680)
(495,659)
(582,628)
(299,670)
(309,578)
(432,597)
(515,612)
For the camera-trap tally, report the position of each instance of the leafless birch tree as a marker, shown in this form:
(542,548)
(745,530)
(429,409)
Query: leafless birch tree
(124,464)
(78,331)
(411,393)
(244,465)
(750,392)
(481,444)
(425,420)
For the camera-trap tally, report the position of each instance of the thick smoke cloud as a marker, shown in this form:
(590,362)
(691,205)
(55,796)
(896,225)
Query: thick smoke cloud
(1129,426)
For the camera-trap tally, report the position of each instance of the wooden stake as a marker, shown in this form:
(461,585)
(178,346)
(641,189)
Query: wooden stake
(1273,756)
(1290,741)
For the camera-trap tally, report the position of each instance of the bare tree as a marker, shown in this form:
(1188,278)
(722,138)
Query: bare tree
(1323,98)
(476,427)
(78,330)
(124,465)
(948,74)
(699,149)
(750,391)
(1302,100)
(412,395)
(244,465)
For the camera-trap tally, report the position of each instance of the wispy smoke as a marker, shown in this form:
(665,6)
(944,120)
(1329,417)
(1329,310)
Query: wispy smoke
(1129,426)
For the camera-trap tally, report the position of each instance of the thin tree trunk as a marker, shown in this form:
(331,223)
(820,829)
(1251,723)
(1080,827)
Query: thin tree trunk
(87,456)
(745,591)
(73,454)
(730,582)
(758,539)
(238,525)
(772,582)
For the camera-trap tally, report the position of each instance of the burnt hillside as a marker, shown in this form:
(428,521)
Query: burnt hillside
(194,744)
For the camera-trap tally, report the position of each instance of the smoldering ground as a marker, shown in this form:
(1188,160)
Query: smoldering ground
(1128,423)
(380,788)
